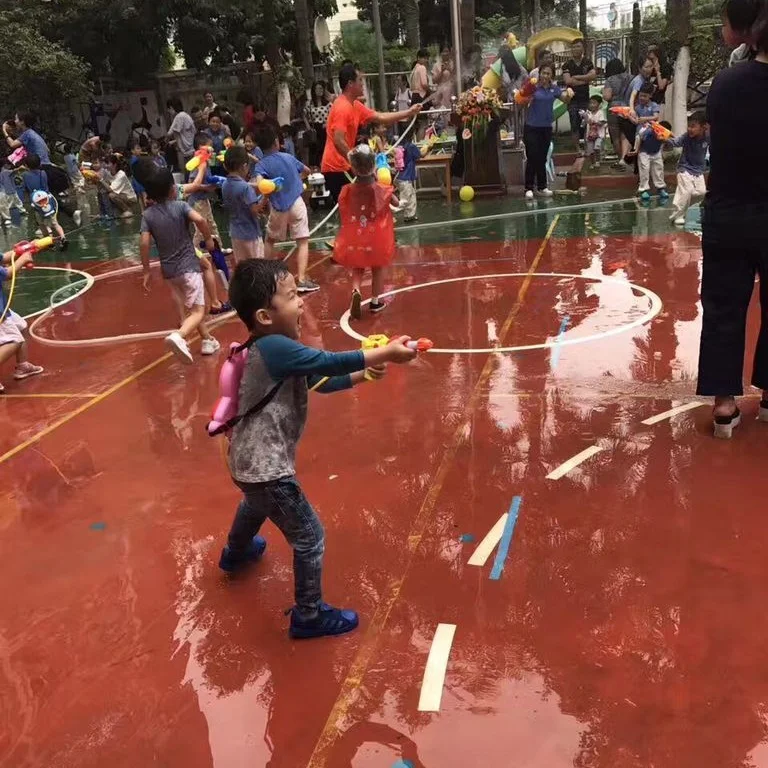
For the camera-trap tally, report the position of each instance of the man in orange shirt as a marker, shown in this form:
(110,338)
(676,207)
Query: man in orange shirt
(346,116)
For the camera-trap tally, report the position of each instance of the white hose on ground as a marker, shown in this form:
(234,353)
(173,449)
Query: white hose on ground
(121,338)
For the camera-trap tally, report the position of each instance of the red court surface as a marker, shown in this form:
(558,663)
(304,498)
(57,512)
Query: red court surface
(625,630)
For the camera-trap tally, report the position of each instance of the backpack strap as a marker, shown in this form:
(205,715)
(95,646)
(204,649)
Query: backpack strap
(260,406)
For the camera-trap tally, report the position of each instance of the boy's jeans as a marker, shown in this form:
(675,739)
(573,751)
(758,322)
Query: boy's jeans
(284,503)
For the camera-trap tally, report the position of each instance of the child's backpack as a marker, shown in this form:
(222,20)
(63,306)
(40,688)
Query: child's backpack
(225,416)
(399,158)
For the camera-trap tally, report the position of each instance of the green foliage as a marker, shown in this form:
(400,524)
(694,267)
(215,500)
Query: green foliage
(494,27)
(37,73)
(358,43)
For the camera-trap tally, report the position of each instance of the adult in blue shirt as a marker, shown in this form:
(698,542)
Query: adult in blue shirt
(641,79)
(538,130)
(28,138)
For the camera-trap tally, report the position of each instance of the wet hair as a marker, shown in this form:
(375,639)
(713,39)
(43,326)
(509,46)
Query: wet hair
(249,135)
(175,104)
(143,170)
(648,89)
(550,67)
(28,118)
(595,97)
(347,74)
(615,67)
(666,124)
(116,159)
(32,161)
(235,158)
(289,130)
(750,19)
(699,117)
(201,140)
(362,160)
(214,113)
(265,136)
(422,53)
(158,184)
(253,285)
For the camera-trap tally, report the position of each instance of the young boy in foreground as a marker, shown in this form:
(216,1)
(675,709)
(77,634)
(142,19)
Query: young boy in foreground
(263,445)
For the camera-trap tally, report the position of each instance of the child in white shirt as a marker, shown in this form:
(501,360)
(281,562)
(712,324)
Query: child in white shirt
(595,123)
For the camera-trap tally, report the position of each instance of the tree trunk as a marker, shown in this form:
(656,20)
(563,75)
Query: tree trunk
(467,15)
(382,95)
(679,89)
(634,48)
(270,35)
(304,40)
(583,17)
(536,15)
(411,14)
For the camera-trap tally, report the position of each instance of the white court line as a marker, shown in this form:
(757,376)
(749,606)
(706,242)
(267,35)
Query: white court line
(574,462)
(488,544)
(434,672)
(654,308)
(671,412)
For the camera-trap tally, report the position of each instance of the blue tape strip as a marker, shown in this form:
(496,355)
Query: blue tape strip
(556,351)
(506,538)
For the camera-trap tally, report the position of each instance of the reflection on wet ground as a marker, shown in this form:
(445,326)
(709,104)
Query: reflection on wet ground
(625,630)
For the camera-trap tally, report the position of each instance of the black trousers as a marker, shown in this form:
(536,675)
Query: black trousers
(335,181)
(537,141)
(728,282)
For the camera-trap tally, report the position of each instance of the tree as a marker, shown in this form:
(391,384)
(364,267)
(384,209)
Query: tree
(679,21)
(411,17)
(37,73)
(304,41)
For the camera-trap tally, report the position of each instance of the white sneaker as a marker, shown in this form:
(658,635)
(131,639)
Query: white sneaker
(7,222)
(209,347)
(179,347)
(680,221)
(529,194)
(546,192)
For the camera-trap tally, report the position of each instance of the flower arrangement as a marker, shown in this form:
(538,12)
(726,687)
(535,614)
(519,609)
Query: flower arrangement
(476,108)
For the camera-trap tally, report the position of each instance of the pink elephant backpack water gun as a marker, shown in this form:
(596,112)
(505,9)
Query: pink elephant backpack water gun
(225,412)
(399,158)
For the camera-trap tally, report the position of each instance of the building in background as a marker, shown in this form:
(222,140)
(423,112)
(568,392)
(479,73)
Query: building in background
(617,14)
(347,12)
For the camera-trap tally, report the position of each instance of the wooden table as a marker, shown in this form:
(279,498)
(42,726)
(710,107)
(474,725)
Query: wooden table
(435,161)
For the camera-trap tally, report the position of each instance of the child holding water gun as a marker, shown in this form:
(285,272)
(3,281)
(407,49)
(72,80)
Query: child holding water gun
(406,191)
(288,212)
(12,342)
(242,201)
(167,221)
(691,166)
(273,398)
(650,163)
(366,238)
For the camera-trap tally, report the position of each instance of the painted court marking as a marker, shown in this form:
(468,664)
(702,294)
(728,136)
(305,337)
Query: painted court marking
(654,308)
(671,413)
(434,672)
(574,462)
(354,679)
(88,281)
(506,539)
(488,544)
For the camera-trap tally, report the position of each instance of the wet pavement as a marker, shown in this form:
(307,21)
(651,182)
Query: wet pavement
(624,630)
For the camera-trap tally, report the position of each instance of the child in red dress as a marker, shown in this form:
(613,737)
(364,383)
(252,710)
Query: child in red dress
(366,239)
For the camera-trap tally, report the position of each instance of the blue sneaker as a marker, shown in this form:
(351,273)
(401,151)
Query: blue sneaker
(231,563)
(645,196)
(663,194)
(329,621)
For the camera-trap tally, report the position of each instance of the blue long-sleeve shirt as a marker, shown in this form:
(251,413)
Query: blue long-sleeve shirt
(693,160)
(263,445)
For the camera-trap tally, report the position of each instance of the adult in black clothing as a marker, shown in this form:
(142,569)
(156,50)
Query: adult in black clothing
(661,76)
(578,73)
(734,215)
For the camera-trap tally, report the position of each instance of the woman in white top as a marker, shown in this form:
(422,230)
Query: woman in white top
(210,104)
(443,76)
(419,77)
(182,131)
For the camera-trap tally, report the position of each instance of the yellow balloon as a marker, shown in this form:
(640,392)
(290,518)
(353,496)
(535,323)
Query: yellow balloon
(467,194)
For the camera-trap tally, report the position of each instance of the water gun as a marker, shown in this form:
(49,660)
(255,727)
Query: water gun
(377,340)
(661,133)
(17,155)
(33,247)
(525,94)
(88,173)
(203,155)
(212,178)
(621,112)
(267,186)
(228,144)
(224,415)
(383,174)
